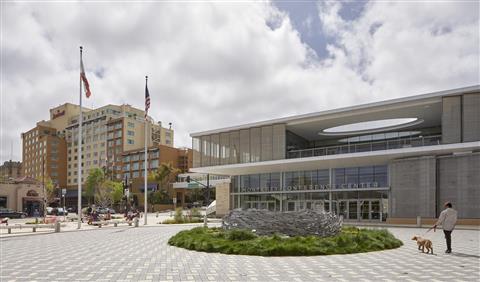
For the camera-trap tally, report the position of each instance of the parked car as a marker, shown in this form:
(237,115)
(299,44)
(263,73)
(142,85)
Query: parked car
(11,213)
(105,210)
(59,211)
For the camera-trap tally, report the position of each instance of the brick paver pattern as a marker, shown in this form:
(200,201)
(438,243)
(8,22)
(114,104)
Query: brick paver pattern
(142,254)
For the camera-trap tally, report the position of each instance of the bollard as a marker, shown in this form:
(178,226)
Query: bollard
(9,230)
(115,224)
(34,229)
(57,227)
(136,221)
(419,221)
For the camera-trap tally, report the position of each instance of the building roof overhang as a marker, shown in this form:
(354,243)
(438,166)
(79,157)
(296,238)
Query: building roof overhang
(340,160)
(400,107)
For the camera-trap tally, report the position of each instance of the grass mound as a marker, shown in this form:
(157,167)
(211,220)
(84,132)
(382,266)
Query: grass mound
(243,242)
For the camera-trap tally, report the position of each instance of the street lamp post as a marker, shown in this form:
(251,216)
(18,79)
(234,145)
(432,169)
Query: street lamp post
(207,195)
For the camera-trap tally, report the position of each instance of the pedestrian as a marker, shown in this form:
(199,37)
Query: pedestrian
(108,216)
(447,219)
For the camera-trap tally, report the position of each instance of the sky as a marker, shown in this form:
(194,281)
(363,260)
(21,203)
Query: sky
(223,63)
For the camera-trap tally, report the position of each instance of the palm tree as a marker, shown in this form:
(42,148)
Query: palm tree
(165,173)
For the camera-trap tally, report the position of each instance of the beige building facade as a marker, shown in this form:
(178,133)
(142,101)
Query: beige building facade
(22,194)
(107,133)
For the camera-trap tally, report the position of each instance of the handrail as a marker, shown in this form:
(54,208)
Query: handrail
(366,146)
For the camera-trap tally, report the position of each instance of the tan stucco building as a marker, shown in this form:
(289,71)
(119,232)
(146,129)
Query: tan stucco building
(22,194)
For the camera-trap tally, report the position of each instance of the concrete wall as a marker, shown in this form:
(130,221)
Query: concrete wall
(459,183)
(471,117)
(452,120)
(222,196)
(413,187)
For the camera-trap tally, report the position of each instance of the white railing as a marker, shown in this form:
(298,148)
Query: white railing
(366,147)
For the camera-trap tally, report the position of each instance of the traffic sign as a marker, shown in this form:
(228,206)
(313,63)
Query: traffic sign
(64,191)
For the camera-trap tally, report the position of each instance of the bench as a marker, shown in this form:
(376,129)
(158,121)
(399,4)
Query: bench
(33,226)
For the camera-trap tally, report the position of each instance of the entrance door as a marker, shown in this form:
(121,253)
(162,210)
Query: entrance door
(375,210)
(364,210)
(343,209)
(352,210)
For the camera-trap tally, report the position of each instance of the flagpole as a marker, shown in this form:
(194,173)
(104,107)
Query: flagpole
(145,162)
(79,163)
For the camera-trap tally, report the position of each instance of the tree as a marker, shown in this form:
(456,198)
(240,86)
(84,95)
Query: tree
(165,174)
(95,179)
(117,192)
(49,189)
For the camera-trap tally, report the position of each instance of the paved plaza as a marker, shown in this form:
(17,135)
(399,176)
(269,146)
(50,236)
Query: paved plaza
(142,254)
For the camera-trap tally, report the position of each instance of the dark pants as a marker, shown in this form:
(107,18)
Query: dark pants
(448,238)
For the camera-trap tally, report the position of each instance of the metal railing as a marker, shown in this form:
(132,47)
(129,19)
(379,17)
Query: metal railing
(367,147)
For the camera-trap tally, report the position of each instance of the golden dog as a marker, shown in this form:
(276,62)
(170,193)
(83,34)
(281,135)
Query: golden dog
(423,243)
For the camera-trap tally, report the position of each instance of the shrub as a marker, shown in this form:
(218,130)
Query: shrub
(240,235)
(195,213)
(245,242)
(178,215)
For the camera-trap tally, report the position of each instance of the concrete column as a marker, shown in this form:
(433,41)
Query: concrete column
(471,117)
(452,120)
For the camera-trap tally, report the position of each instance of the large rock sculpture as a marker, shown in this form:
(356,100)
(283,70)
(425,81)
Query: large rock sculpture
(298,223)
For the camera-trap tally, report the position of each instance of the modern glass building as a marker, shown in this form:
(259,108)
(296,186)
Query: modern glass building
(387,161)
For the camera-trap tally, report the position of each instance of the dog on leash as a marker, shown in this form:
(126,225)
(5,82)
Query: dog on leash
(423,244)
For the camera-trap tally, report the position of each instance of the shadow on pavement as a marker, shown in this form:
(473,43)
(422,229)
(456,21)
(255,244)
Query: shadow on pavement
(462,255)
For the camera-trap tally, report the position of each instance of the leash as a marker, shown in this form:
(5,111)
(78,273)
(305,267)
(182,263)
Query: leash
(427,232)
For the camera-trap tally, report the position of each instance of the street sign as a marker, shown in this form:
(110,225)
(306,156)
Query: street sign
(192,185)
(64,191)
(174,200)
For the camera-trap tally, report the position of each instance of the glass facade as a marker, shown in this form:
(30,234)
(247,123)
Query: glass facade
(241,146)
(356,193)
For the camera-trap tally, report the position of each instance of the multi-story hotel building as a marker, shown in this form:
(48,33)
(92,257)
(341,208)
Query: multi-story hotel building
(388,161)
(107,132)
(44,146)
(133,165)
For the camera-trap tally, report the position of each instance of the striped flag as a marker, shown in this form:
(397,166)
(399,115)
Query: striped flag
(147,99)
(84,79)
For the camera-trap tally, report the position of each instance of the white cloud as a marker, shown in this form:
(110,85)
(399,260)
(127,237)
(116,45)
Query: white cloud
(218,64)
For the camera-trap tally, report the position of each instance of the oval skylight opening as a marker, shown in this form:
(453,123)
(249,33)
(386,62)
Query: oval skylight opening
(371,126)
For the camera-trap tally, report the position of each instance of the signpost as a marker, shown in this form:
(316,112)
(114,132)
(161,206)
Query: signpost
(64,192)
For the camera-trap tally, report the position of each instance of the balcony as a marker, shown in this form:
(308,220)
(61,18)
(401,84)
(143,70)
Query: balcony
(366,147)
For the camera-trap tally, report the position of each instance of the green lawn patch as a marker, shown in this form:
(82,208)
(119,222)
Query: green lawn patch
(244,242)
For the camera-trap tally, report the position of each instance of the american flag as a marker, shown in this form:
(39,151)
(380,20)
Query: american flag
(147,100)
(83,77)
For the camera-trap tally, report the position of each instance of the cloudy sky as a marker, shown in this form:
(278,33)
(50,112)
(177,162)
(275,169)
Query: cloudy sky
(216,64)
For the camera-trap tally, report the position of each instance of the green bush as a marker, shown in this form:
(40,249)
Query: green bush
(182,220)
(178,215)
(244,242)
(240,235)
(195,213)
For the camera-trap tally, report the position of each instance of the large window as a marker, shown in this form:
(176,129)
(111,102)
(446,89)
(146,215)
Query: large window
(361,177)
